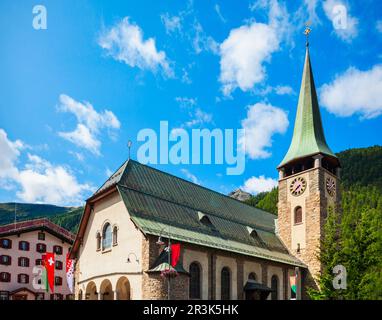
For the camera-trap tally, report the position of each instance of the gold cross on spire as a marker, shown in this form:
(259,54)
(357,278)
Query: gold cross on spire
(307,31)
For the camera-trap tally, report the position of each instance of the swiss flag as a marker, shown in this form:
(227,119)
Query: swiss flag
(49,263)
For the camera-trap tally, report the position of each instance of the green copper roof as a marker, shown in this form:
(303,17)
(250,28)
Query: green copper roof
(308,135)
(162,204)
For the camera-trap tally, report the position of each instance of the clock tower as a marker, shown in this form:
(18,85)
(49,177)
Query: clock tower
(308,181)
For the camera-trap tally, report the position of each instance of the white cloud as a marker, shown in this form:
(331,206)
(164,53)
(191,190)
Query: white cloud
(262,122)
(256,185)
(42,182)
(284,90)
(39,180)
(186,102)
(345,26)
(90,123)
(108,172)
(247,49)
(125,43)
(199,117)
(218,12)
(9,151)
(171,23)
(354,92)
(203,42)
(190,176)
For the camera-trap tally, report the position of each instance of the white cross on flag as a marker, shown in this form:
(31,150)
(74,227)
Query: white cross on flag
(69,272)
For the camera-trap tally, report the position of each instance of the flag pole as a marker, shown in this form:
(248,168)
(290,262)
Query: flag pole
(169,264)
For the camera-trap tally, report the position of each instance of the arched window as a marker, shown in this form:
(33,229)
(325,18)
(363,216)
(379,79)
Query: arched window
(115,235)
(274,287)
(252,276)
(106,236)
(98,236)
(195,281)
(297,215)
(225,284)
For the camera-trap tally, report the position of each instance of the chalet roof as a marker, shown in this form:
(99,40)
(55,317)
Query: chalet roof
(308,135)
(37,224)
(163,204)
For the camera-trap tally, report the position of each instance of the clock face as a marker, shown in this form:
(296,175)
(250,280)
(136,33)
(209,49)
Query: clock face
(297,186)
(331,186)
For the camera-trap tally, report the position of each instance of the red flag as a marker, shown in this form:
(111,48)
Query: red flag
(49,264)
(175,254)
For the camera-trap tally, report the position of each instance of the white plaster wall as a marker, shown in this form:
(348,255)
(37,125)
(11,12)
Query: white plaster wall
(112,264)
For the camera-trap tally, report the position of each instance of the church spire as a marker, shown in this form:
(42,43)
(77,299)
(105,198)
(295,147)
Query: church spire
(308,135)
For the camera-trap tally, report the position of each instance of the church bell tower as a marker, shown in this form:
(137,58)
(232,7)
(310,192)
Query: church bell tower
(308,181)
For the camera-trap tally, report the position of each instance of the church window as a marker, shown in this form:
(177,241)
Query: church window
(298,215)
(106,236)
(252,276)
(195,281)
(225,284)
(274,287)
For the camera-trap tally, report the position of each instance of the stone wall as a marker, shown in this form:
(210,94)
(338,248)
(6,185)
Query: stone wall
(156,287)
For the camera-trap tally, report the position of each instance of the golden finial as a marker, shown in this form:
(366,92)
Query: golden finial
(307,31)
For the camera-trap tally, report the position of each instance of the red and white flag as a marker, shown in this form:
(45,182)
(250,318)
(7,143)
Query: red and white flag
(49,263)
(69,272)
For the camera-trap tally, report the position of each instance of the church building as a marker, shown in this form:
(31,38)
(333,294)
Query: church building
(228,249)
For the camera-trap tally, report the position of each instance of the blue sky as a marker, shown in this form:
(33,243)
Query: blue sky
(74,94)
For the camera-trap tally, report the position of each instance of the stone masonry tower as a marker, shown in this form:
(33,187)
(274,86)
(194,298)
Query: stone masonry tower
(308,181)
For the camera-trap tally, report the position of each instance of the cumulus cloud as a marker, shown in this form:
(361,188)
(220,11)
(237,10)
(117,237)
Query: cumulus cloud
(38,180)
(345,26)
(90,123)
(262,122)
(43,182)
(190,176)
(247,49)
(9,151)
(354,92)
(256,185)
(124,42)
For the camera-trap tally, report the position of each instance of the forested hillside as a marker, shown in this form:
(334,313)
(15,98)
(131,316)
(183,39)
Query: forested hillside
(67,217)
